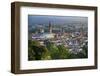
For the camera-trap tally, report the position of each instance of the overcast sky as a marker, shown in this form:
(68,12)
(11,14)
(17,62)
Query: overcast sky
(40,19)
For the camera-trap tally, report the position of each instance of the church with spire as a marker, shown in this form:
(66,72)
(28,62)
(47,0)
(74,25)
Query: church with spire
(44,35)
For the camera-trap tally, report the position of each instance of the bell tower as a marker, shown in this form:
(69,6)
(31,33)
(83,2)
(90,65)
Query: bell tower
(50,27)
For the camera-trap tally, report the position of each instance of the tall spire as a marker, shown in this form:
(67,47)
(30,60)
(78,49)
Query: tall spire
(50,27)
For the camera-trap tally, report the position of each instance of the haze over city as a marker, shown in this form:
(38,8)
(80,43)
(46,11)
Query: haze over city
(60,20)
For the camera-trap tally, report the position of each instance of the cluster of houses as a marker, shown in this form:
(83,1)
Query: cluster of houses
(72,40)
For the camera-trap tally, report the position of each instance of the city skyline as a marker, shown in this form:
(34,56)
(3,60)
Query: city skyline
(57,37)
(57,22)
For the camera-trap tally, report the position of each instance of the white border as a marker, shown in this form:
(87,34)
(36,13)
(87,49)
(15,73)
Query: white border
(25,64)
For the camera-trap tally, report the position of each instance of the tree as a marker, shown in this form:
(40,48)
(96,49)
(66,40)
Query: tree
(31,54)
(54,51)
(37,52)
(64,52)
(58,52)
(45,54)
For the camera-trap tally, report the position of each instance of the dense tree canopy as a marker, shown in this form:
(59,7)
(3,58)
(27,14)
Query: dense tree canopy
(52,51)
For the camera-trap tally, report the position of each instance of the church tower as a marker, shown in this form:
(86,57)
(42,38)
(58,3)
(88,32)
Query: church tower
(50,28)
